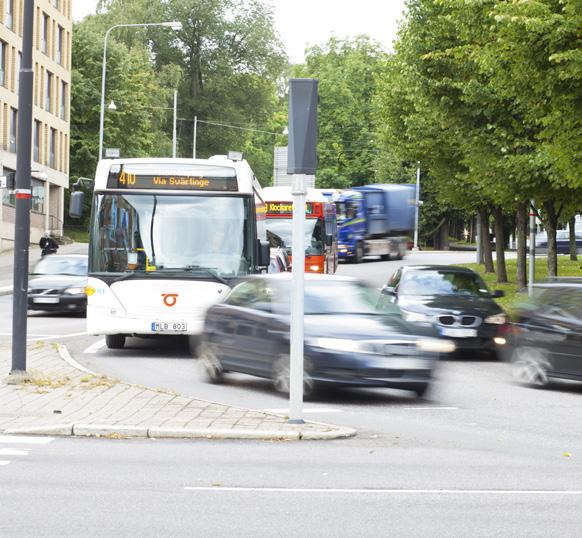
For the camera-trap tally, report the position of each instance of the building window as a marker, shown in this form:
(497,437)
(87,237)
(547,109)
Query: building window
(9,13)
(55,4)
(13,129)
(64,98)
(60,41)
(44,35)
(37,201)
(36,146)
(53,148)
(48,91)
(8,197)
(3,49)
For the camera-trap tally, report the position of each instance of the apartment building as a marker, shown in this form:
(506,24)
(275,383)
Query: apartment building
(52,88)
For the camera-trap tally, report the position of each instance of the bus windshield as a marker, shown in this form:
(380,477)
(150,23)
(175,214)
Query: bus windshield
(164,233)
(313,239)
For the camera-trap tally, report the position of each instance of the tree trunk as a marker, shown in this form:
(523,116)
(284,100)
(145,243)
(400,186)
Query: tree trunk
(521,233)
(551,222)
(486,241)
(500,245)
(444,236)
(573,249)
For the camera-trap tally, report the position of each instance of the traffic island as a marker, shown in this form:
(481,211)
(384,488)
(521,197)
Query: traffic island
(59,397)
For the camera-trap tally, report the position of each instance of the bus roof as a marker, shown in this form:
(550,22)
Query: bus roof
(245,177)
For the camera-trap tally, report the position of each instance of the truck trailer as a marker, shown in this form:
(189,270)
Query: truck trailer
(375,220)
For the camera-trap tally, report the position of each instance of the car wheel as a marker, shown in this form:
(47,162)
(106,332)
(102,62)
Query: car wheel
(385,257)
(281,377)
(115,341)
(530,366)
(210,364)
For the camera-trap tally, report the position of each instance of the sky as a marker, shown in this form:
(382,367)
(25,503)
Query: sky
(302,23)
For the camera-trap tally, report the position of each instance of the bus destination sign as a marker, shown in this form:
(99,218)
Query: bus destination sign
(124,178)
(286,208)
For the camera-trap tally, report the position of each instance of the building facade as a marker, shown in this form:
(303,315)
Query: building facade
(52,89)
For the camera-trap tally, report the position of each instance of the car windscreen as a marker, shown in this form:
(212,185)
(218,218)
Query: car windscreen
(58,265)
(441,282)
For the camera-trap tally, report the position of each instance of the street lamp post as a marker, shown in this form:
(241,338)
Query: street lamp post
(173,25)
(416,208)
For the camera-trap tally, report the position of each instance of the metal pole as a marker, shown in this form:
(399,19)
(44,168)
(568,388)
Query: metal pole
(195,137)
(23,194)
(417,208)
(532,248)
(175,125)
(297,302)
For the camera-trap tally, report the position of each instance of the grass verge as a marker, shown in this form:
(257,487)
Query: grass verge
(513,297)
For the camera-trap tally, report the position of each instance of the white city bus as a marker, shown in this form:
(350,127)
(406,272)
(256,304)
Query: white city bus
(168,237)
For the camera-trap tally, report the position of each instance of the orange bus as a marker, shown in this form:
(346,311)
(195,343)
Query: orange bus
(321,255)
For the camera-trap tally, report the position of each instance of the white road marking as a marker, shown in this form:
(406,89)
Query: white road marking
(32,335)
(13,452)
(66,356)
(95,347)
(4,462)
(26,440)
(58,337)
(524,492)
(432,408)
(308,410)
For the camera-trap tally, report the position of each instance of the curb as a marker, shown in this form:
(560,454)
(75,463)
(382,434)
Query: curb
(140,432)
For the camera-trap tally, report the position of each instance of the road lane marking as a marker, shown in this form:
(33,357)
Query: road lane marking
(58,337)
(433,408)
(308,410)
(27,440)
(66,356)
(95,347)
(4,462)
(13,452)
(536,492)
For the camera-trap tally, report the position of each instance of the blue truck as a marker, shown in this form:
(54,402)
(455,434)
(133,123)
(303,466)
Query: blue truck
(375,220)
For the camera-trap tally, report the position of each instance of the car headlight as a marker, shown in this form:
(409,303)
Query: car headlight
(415,317)
(496,319)
(336,344)
(75,291)
(434,345)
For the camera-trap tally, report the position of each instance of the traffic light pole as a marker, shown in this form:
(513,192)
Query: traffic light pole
(23,194)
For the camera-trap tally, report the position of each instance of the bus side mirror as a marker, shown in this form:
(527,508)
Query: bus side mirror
(264,249)
(329,240)
(76,204)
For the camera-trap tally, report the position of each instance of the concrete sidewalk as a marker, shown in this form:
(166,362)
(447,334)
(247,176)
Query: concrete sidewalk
(7,262)
(60,397)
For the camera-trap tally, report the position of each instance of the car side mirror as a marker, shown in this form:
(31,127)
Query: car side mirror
(264,254)
(497,294)
(76,204)
(389,290)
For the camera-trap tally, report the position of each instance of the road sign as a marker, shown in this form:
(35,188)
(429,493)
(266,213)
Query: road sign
(112,153)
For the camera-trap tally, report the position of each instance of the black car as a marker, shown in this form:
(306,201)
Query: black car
(347,340)
(546,339)
(57,284)
(453,300)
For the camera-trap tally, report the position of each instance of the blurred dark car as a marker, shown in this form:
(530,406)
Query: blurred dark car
(453,300)
(562,242)
(347,340)
(57,283)
(546,339)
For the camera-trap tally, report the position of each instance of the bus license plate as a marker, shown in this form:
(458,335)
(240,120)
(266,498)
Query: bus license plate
(169,327)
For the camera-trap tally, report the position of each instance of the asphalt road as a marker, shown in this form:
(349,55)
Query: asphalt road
(480,456)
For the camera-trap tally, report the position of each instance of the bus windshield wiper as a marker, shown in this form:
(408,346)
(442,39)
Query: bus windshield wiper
(209,271)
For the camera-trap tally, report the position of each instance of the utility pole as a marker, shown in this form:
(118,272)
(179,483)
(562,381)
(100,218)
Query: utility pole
(23,194)
(175,126)
(417,208)
(194,141)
